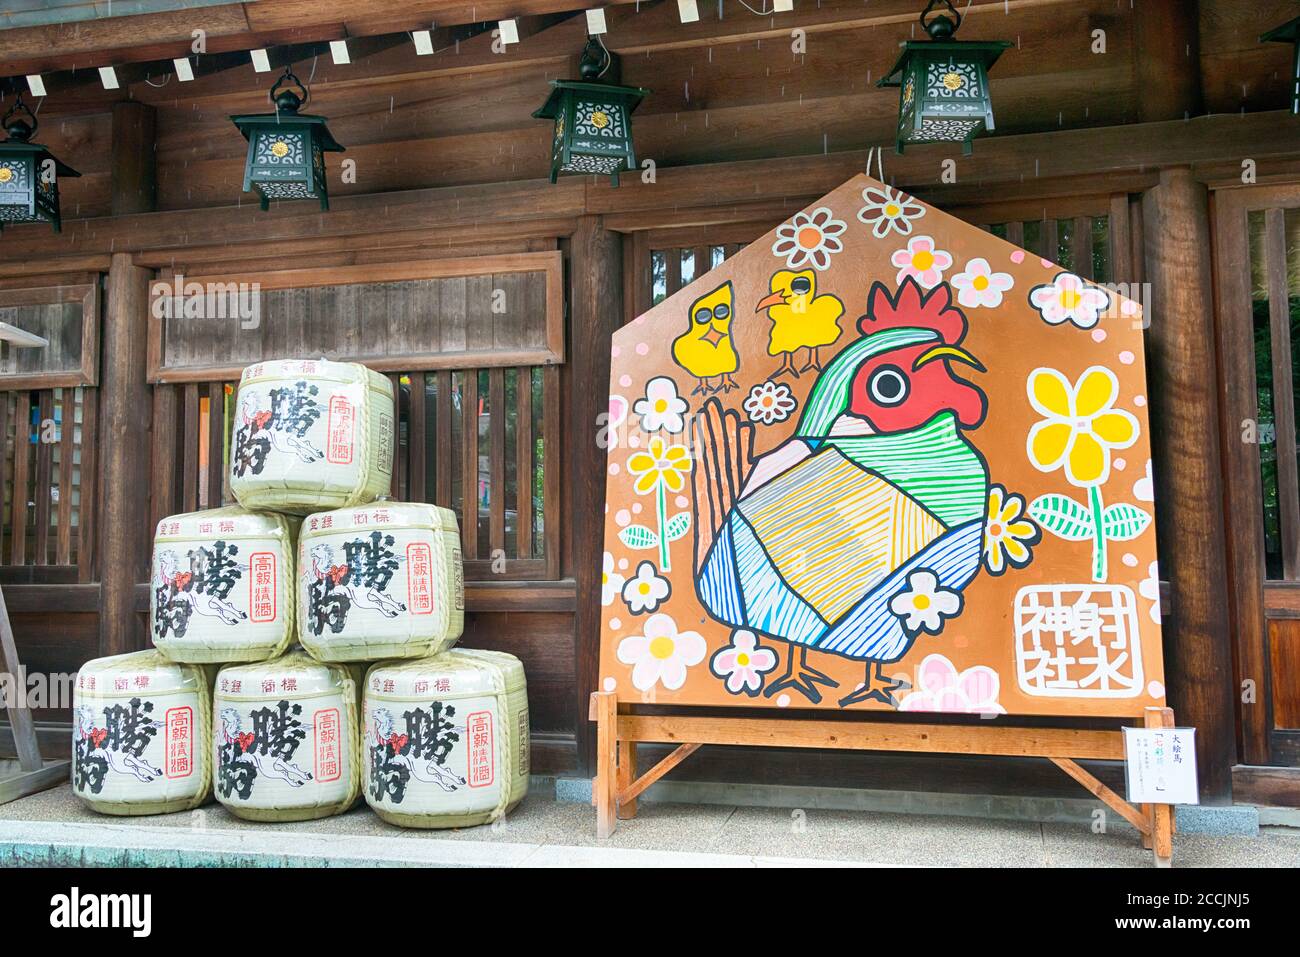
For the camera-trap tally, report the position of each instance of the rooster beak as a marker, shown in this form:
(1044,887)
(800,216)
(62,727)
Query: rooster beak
(948,352)
(775,299)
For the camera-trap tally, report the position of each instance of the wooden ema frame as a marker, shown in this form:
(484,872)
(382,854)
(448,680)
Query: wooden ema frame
(617,785)
(33,774)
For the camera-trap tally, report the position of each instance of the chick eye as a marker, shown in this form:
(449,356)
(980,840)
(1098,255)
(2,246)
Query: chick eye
(721,311)
(888,385)
(705,314)
(801,286)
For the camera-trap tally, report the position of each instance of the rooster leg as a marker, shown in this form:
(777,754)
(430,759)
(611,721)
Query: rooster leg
(728,383)
(787,365)
(814,361)
(877,687)
(799,676)
(702,387)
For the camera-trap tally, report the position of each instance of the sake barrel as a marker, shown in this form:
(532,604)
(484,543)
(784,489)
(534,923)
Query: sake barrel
(445,739)
(452,555)
(222,585)
(311,435)
(373,583)
(139,735)
(285,738)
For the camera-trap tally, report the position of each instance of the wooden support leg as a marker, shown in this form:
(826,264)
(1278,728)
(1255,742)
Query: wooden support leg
(1162,817)
(626,775)
(604,707)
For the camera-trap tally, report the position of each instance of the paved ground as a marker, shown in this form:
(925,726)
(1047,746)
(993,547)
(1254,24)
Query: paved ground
(54,827)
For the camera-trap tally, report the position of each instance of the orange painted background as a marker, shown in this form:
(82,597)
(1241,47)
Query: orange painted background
(964,523)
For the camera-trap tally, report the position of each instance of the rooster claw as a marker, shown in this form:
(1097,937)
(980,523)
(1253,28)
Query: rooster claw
(802,678)
(877,687)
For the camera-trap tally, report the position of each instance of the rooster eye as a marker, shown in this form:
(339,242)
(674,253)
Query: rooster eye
(721,311)
(888,385)
(703,315)
(801,286)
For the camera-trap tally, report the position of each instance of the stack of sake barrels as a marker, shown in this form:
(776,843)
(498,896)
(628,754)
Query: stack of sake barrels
(304,639)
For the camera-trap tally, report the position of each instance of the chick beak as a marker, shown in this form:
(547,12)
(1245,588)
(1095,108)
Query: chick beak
(948,352)
(775,299)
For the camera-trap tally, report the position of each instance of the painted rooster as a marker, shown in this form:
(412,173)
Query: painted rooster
(861,531)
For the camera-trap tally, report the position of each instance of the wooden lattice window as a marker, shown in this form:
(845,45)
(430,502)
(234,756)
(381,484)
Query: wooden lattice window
(47,447)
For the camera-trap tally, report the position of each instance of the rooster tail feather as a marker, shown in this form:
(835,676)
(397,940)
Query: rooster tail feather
(722,447)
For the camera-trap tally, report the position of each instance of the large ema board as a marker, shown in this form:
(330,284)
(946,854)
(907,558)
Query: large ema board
(882,459)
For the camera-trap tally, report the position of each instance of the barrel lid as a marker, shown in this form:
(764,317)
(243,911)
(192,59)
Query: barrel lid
(344,372)
(376,515)
(215,522)
(293,673)
(138,673)
(456,673)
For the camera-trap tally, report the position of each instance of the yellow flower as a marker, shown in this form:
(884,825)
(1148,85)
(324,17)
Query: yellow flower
(1081,425)
(1008,535)
(660,462)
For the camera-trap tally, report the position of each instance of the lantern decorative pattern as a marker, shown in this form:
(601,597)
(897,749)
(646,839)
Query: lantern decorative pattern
(945,87)
(29,173)
(593,120)
(1289,33)
(286,149)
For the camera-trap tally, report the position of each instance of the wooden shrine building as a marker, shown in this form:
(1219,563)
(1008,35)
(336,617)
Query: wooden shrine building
(1146,142)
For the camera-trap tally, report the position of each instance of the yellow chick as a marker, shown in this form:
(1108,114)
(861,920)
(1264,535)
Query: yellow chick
(705,350)
(801,319)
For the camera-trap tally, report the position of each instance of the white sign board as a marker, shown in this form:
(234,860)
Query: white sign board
(1160,765)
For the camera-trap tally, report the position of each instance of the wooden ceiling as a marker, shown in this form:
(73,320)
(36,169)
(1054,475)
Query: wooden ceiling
(730,87)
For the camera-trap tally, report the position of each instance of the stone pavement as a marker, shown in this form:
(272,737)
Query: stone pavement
(53,828)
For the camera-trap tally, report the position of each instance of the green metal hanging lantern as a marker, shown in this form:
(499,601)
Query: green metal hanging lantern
(1289,33)
(593,120)
(29,173)
(945,84)
(286,149)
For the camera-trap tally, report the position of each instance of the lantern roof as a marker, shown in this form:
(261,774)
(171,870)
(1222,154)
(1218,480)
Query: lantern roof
(549,110)
(1287,33)
(986,50)
(11,147)
(245,121)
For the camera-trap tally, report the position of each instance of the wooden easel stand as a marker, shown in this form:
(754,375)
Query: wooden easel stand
(617,786)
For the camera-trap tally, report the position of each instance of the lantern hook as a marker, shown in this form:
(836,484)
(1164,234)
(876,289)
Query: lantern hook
(596,58)
(286,100)
(18,128)
(940,26)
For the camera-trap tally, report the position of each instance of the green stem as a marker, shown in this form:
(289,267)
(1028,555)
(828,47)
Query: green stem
(1098,535)
(661,506)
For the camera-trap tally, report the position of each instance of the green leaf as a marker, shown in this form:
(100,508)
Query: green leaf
(638,536)
(1063,517)
(1122,522)
(677,526)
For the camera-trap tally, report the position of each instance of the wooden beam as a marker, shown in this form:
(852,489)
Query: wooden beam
(134,164)
(125,416)
(999,739)
(1166,60)
(1185,444)
(1105,794)
(596,310)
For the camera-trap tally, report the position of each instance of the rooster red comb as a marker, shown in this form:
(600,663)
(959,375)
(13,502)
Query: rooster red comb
(913,309)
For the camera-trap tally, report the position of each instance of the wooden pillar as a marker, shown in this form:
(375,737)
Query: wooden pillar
(1166,59)
(595,311)
(125,417)
(1189,497)
(133,163)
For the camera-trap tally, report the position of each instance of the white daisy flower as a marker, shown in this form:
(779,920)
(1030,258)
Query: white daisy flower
(923,605)
(1067,298)
(979,285)
(662,654)
(662,407)
(611,582)
(889,210)
(645,590)
(809,239)
(769,402)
